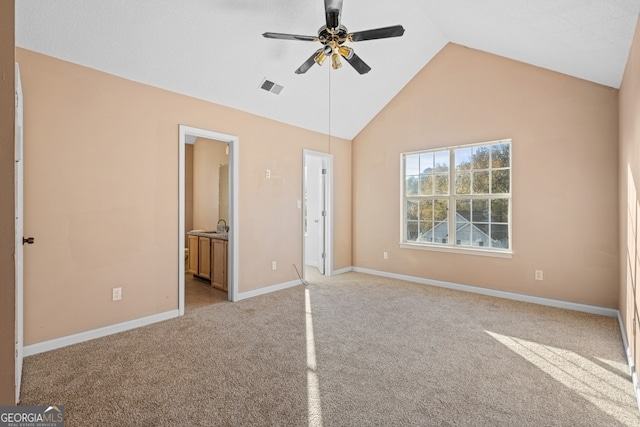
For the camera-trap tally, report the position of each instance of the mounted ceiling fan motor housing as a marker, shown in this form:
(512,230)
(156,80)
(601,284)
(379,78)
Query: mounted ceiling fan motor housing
(332,8)
(333,35)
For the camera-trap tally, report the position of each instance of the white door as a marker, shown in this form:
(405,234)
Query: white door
(317,211)
(314,233)
(19,232)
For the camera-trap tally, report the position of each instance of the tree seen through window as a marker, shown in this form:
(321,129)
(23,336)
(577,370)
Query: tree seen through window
(464,191)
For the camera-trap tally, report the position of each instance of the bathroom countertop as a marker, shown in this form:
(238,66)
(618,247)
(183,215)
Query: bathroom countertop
(210,234)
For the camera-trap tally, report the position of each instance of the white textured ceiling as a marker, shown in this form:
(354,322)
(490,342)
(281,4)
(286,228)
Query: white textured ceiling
(214,49)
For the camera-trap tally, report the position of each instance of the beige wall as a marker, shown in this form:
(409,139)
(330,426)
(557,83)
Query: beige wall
(342,203)
(564,133)
(7,225)
(629,175)
(101,178)
(208,155)
(102,188)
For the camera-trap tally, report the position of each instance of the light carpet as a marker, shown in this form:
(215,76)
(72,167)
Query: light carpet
(350,350)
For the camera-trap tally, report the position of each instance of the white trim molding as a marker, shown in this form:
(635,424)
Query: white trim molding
(342,271)
(327,163)
(56,343)
(602,311)
(186,135)
(268,289)
(457,250)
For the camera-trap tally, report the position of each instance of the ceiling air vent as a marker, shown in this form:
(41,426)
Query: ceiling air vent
(270,86)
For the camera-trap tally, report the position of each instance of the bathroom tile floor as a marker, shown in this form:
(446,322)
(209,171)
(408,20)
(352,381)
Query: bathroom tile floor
(199,293)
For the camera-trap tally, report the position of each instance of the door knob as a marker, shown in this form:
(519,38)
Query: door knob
(28,240)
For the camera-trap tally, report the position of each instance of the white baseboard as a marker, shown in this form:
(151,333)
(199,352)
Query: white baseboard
(632,365)
(602,311)
(56,343)
(342,271)
(53,344)
(268,289)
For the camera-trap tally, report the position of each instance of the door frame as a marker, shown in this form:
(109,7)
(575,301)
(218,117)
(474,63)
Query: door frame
(232,259)
(327,163)
(19,231)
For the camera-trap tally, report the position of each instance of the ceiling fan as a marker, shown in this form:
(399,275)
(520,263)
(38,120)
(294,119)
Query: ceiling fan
(333,35)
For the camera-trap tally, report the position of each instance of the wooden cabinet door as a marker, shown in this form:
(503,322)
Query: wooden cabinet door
(192,265)
(219,263)
(204,257)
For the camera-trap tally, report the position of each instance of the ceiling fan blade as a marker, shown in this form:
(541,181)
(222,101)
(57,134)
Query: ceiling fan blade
(378,33)
(283,36)
(308,63)
(333,10)
(357,63)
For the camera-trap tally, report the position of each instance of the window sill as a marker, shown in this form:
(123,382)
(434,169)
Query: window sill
(458,250)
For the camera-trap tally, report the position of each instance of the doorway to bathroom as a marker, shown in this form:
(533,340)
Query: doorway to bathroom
(208,215)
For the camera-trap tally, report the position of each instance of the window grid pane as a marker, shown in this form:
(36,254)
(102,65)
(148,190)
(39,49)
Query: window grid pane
(427,221)
(426,185)
(411,185)
(481,174)
(483,170)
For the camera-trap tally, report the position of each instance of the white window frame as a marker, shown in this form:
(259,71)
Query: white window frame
(451,245)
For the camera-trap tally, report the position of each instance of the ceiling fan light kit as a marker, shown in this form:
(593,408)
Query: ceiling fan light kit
(345,51)
(333,35)
(335,61)
(322,55)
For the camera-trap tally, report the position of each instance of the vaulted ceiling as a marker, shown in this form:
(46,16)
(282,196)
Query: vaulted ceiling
(214,49)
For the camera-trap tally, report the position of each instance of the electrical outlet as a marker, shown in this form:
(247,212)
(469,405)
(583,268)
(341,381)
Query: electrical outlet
(116,294)
(385,255)
(273,265)
(267,173)
(539,275)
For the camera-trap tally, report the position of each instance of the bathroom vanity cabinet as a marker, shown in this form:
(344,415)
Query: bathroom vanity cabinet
(219,263)
(204,257)
(192,261)
(208,258)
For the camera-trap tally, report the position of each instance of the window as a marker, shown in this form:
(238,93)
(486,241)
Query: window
(458,197)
